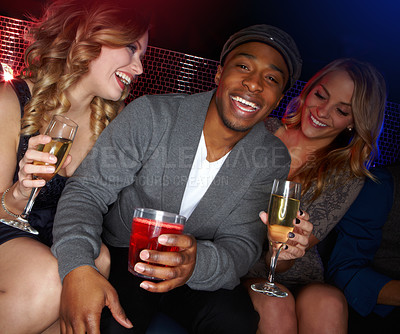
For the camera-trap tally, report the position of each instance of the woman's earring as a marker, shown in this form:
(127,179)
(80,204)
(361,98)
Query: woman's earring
(349,128)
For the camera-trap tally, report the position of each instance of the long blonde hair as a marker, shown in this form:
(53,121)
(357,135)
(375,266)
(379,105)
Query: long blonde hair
(66,39)
(352,152)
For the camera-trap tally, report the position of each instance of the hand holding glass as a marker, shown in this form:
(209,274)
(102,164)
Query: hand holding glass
(62,130)
(147,226)
(283,206)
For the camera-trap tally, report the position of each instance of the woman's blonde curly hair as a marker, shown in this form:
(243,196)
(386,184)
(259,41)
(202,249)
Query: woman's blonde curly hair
(352,152)
(65,40)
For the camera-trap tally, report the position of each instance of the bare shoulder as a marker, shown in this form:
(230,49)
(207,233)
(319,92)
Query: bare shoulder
(9,104)
(10,115)
(10,112)
(280,132)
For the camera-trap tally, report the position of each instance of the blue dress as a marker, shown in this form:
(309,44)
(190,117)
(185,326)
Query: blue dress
(359,236)
(43,211)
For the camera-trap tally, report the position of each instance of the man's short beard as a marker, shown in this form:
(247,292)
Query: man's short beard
(232,126)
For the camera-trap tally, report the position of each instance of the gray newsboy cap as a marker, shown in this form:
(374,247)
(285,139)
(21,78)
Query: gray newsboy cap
(273,36)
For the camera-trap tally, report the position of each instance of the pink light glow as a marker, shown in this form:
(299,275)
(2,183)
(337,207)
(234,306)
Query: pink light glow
(7,72)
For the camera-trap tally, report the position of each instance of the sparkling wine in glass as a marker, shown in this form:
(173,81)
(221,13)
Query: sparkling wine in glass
(283,206)
(62,130)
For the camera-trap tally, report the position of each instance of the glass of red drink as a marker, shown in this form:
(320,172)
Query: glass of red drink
(147,226)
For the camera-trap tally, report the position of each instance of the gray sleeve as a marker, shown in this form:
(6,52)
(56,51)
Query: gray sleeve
(327,210)
(110,166)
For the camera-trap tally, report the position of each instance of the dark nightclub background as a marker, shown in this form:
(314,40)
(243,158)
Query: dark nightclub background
(324,30)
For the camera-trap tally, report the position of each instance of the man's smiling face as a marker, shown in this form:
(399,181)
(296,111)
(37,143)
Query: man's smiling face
(250,85)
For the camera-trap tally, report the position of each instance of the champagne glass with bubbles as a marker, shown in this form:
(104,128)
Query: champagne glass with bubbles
(283,206)
(62,131)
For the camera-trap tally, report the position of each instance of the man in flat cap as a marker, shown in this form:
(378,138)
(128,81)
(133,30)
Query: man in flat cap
(205,156)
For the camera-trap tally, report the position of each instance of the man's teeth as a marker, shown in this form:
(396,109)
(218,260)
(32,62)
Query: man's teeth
(124,78)
(316,121)
(245,102)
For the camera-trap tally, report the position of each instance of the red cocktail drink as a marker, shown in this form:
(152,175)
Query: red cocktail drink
(145,233)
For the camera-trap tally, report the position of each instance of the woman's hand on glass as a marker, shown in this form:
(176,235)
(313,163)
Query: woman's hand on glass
(36,164)
(27,168)
(298,241)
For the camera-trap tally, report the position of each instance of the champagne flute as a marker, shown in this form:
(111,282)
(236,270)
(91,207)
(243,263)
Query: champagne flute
(62,130)
(283,206)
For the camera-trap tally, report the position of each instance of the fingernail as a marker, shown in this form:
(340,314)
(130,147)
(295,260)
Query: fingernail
(128,322)
(297,221)
(144,255)
(260,213)
(144,285)
(139,267)
(163,239)
(301,212)
(290,235)
(53,158)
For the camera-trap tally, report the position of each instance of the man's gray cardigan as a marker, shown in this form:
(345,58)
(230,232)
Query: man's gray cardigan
(143,159)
